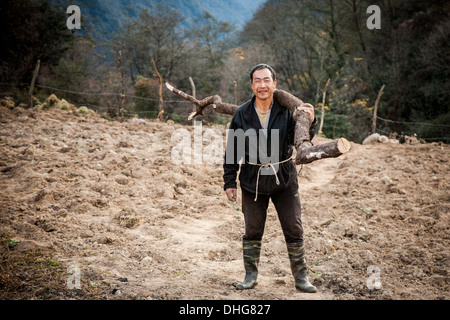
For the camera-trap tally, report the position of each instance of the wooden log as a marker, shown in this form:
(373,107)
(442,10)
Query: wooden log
(333,149)
(306,152)
(287,100)
(215,101)
(302,125)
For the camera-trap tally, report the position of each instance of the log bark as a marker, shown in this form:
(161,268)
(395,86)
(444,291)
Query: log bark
(333,149)
(306,152)
(215,101)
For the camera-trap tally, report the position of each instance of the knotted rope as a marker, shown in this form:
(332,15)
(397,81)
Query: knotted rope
(267,165)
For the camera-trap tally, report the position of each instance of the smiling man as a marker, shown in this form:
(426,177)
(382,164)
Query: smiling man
(264,117)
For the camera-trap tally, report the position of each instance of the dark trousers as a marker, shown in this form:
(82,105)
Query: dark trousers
(287,204)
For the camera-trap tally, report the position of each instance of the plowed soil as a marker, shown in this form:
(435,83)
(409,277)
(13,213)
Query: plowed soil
(82,197)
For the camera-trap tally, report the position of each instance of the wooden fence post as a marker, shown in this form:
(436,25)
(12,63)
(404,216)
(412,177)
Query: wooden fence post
(323,106)
(374,120)
(194,94)
(35,73)
(122,102)
(161,106)
(235,92)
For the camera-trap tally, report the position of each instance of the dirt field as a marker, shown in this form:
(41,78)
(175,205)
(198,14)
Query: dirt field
(85,198)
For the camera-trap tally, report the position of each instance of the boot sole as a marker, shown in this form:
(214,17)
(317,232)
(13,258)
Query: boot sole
(242,288)
(307,290)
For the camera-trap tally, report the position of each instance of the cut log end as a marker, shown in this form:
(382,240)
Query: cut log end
(343,145)
(169,86)
(192,115)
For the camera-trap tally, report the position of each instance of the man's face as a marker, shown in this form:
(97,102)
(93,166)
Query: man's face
(263,84)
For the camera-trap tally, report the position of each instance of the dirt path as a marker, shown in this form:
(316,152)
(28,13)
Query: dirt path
(320,173)
(78,191)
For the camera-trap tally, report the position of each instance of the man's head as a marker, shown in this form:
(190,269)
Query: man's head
(263,66)
(263,81)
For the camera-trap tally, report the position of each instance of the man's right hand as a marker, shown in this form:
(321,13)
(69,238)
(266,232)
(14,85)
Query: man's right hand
(308,108)
(231,194)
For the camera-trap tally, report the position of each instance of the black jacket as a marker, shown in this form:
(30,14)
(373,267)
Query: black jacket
(246,118)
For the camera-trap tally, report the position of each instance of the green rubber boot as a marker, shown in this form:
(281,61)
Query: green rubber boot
(296,252)
(251,250)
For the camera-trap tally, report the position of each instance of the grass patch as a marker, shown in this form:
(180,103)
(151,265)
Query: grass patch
(39,275)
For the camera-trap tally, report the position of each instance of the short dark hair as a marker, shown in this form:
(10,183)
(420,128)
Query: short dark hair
(262,66)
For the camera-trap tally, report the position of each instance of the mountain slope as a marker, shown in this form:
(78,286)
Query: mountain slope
(108,15)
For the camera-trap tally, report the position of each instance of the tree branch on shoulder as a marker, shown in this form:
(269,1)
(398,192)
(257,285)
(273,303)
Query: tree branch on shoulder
(306,152)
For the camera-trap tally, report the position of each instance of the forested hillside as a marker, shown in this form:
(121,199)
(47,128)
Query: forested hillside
(94,203)
(311,41)
(307,42)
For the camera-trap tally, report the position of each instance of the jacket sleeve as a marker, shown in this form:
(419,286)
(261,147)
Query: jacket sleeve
(230,166)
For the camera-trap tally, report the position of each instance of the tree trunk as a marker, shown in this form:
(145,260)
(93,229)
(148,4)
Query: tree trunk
(122,84)
(374,119)
(323,106)
(35,73)
(333,149)
(193,92)
(161,105)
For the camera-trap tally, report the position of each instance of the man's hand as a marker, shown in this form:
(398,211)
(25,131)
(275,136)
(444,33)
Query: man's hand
(231,194)
(308,108)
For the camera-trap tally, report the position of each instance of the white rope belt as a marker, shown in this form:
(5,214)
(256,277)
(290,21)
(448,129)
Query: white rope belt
(268,165)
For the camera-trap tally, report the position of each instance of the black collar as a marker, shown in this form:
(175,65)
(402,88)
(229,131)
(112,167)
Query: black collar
(252,118)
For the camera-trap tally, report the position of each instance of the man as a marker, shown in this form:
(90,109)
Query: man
(261,181)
